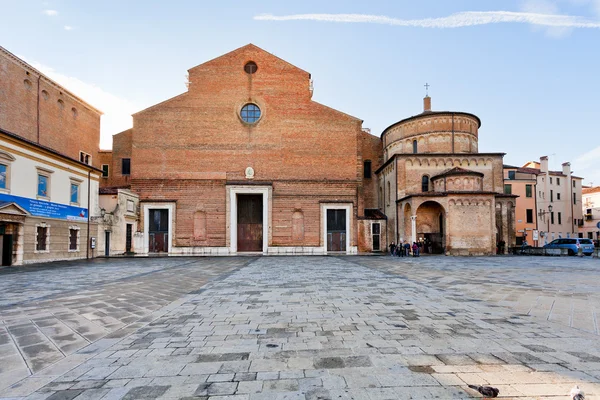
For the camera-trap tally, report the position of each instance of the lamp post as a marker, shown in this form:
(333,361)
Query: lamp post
(543,213)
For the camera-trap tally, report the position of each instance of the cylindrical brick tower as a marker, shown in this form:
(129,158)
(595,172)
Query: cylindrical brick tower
(441,132)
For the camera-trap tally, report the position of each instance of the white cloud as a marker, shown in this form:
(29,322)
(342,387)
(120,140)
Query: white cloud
(68,28)
(117,111)
(588,166)
(51,13)
(458,20)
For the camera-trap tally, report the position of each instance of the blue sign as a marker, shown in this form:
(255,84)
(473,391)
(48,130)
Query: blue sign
(40,208)
(598,225)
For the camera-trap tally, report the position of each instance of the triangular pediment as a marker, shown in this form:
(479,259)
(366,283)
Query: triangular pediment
(250,49)
(12,208)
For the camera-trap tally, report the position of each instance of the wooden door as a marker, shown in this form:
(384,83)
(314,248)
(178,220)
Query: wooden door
(7,249)
(128,236)
(250,222)
(336,230)
(158,232)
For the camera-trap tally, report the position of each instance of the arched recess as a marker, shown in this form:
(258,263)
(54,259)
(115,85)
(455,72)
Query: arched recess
(431,227)
(199,225)
(298,226)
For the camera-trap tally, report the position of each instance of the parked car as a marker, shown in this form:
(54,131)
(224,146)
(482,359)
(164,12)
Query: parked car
(573,245)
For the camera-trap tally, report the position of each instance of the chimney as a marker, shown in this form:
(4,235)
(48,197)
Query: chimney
(567,168)
(544,164)
(426,104)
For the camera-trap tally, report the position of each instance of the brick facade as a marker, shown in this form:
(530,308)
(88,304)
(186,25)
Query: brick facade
(193,154)
(38,109)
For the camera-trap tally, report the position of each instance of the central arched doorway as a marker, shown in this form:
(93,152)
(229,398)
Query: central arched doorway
(431,227)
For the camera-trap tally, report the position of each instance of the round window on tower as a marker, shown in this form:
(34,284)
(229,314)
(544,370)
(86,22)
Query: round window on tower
(250,113)
(250,67)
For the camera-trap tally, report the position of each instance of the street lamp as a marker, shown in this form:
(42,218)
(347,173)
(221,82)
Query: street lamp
(543,213)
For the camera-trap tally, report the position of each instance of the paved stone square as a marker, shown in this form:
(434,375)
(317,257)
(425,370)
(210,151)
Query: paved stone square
(300,328)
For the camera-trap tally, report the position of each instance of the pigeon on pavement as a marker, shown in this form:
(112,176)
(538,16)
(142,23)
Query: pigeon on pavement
(486,391)
(577,394)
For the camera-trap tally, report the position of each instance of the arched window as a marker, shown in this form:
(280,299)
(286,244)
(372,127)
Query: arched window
(425,183)
(414,146)
(389,189)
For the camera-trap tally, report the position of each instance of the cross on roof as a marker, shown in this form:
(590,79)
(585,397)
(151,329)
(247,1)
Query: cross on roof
(426,89)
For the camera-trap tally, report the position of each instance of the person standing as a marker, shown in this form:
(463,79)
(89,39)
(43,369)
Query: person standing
(401,250)
(406,248)
(392,249)
(415,249)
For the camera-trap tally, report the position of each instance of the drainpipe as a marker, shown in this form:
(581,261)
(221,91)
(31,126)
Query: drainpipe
(87,247)
(572,212)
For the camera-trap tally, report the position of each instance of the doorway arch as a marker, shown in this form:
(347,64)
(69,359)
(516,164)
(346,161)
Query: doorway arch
(431,227)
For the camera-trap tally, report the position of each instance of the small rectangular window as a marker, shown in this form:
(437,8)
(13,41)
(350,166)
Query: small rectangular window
(73,234)
(529,216)
(105,170)
(557,196)
(507,189)
(43,186)
(126,166)
(552,217)
(511,175)
(574,184)
(551,180)
(85,158)
(74,193)
(560,218)
(558,181)
(42,238)
(574,199)
(551,195)
(528,190)
(3,176)
(367,169)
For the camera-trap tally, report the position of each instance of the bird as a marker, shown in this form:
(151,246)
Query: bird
(487,391)
(577,394)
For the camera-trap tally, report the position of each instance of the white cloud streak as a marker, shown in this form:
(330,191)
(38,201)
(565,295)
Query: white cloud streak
(51,13)
(458,20)
(68,28)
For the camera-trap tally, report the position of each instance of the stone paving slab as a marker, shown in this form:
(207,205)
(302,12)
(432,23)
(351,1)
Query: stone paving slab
(52,311)
(328,328)
(565,290)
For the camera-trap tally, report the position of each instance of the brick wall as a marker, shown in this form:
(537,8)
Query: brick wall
(66,124)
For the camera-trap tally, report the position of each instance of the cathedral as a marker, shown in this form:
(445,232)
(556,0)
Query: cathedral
(246,162)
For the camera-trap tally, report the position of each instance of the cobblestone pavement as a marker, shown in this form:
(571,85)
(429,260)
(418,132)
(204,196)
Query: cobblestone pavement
(332,328)
(51,311)
(565,290)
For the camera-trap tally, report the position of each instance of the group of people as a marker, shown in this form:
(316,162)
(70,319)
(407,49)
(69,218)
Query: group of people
(404,249)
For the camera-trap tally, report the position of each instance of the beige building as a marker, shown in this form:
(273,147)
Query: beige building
(591,213)
(118,221)
(522,182)
(559,203)
(45,203)
(436,188)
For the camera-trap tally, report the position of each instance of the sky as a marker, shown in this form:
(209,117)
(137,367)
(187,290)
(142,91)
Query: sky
(528,68)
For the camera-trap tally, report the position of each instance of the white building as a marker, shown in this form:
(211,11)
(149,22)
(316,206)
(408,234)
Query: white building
(591,213)
(45,203)
(558,201)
